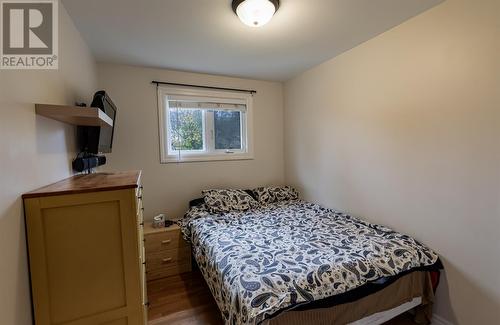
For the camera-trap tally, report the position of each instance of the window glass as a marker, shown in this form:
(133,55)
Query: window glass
(186,129)
(227,129)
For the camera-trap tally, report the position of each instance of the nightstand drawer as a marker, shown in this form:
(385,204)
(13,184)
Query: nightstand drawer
(168,258)
(164,241)
(167,253)
(168,271)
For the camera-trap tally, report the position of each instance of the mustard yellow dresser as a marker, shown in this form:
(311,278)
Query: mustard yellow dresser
(86,253)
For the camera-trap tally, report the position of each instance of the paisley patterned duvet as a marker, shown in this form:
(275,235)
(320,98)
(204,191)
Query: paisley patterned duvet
(262,261)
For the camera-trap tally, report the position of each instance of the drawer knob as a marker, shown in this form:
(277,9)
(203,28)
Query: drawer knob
(167,260)
(167,241)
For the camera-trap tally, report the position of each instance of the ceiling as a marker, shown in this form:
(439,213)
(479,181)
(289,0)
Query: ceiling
(206,36)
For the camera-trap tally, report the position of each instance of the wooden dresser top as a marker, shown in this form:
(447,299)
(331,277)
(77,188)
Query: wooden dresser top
(89,183)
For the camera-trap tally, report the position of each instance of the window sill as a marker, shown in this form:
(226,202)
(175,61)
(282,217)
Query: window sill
(206,158)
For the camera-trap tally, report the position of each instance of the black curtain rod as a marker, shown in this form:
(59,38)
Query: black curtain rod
(205,87)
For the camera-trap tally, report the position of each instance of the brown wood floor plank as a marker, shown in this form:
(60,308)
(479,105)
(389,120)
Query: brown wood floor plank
(186,300)
(182,299)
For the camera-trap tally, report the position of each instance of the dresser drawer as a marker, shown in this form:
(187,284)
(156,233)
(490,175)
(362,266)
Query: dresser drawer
(168,258)
(164,241)
(138,191)
(168,271)
(140,207)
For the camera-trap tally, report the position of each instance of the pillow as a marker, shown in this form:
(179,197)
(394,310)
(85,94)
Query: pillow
(227,200)
(267,195)
(199,201)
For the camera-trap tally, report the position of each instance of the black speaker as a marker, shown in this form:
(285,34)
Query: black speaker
(87,163)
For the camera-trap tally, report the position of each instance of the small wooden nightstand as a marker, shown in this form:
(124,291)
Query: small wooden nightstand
(167,253)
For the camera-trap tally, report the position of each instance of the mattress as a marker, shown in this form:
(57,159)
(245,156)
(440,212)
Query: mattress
(285,255)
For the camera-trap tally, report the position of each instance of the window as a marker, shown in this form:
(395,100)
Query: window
(204,125)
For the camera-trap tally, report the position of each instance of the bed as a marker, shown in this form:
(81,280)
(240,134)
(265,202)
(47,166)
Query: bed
(293,261)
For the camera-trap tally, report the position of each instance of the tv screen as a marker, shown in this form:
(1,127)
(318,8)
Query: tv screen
(98,139)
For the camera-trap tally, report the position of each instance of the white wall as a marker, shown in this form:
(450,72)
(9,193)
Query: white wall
(404,130)
(35,151)
(169,187)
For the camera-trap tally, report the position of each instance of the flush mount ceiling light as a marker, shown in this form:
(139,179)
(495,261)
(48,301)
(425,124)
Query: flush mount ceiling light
(255,13)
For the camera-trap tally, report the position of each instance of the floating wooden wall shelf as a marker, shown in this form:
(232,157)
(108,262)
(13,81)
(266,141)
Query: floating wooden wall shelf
(89,116)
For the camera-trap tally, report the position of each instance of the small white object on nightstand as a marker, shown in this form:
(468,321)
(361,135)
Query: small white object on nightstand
(159,221)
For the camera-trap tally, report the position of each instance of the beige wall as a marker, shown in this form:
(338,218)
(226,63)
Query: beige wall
(169,187)
(404,130)
(34,151)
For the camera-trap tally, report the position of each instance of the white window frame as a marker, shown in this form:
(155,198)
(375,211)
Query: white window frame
(169,156)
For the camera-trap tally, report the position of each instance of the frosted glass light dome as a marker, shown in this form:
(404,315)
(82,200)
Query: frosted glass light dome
(255,13)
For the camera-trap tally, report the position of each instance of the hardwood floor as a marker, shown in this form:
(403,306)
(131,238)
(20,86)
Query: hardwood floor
(186,300)
(182,299)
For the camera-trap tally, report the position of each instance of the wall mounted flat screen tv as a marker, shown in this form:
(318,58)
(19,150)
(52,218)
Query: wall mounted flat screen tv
(93,140)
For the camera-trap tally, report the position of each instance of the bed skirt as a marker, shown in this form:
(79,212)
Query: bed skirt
(403,290)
